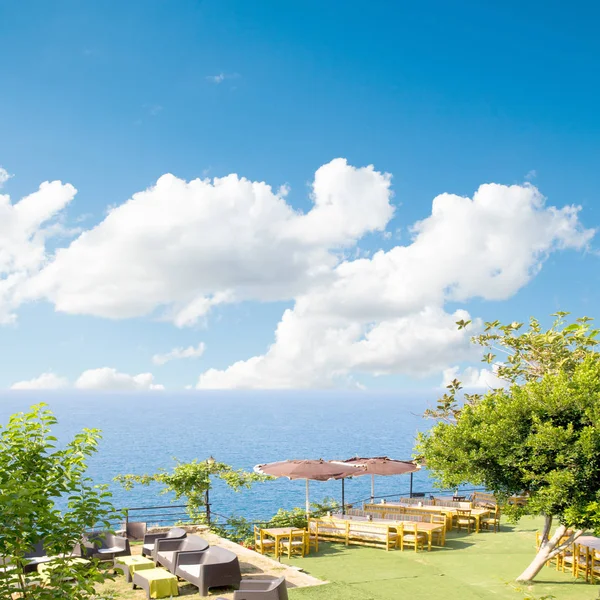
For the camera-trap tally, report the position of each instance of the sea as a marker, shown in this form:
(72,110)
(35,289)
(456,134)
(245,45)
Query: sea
(146,432)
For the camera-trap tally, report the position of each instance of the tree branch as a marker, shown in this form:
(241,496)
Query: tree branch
(547,526)
(564,545)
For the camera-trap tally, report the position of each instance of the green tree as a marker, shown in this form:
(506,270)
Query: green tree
(46,497)
(540,435)
(192,482)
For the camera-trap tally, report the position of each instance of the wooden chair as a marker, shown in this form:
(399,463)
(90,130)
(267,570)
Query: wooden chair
(583,562)
(493,521)
(312,538)
(594,565)
(295,543)
(409,536)
(262,544)
(464,519)
(439,537)
(577,560)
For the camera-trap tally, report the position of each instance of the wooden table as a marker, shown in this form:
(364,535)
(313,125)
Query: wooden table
(448,512)
(476,513)
(278,533)
(422,527)
(518,500)
(589,541)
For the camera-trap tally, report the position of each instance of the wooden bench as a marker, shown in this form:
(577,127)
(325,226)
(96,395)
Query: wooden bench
(384,511)
(453,504)
(417,501)
(367,533)
(358,532)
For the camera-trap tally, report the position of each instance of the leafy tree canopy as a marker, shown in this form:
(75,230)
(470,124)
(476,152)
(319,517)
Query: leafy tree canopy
(539,435)
(45,496)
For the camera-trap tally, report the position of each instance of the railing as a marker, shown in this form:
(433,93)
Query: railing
(175,513)
(426,494)
(155,516)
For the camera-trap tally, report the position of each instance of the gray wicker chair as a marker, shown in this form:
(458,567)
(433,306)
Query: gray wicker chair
(168,550)
(104,545)
(150,539)
(36,556)
(215,567)
(135,530)
(262,589)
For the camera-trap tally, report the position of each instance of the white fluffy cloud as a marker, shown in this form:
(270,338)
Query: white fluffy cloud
(46,381)
(321,350)
(472,377)
(186,246)
(385,314)
(179,353)
(110,379)
(24,229)
(180,248)
(4,176)
(104,378)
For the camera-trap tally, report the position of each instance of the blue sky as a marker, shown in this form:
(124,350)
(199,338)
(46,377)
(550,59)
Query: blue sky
(111,96)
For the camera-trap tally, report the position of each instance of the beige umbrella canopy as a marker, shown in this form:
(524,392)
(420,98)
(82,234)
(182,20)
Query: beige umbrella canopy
(380,465)
(317,470)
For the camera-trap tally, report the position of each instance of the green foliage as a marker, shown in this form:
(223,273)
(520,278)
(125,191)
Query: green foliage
(520,357)
(240,530)
(36,479)
(540,436)
(237,529)
(297,516)
(191,481)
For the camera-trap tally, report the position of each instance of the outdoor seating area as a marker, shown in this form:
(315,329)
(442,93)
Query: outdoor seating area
(467,515)
(165,559)
(581,558)
(468,567)
(175,555)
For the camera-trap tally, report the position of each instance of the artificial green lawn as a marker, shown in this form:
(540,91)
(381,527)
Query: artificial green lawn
(470,567)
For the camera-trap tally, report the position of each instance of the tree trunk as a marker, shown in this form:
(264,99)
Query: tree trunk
(546,532)
(548,550)
(543,555)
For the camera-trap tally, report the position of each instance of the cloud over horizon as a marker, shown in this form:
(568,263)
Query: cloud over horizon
(385,314)
(105,378)
(177,249)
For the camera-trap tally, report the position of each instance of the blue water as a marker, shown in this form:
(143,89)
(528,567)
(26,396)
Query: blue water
(143,432)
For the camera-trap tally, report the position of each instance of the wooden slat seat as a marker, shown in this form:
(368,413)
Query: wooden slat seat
(367,533)
(356,531)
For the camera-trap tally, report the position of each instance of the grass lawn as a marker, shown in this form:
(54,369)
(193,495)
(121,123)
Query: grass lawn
(471,567)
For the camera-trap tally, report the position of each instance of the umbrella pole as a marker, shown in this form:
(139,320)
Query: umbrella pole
(343,498)
(411,482)
(307,502)
(372,488)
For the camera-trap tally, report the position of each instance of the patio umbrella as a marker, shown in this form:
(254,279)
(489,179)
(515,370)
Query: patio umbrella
(380,465)
(316,470)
